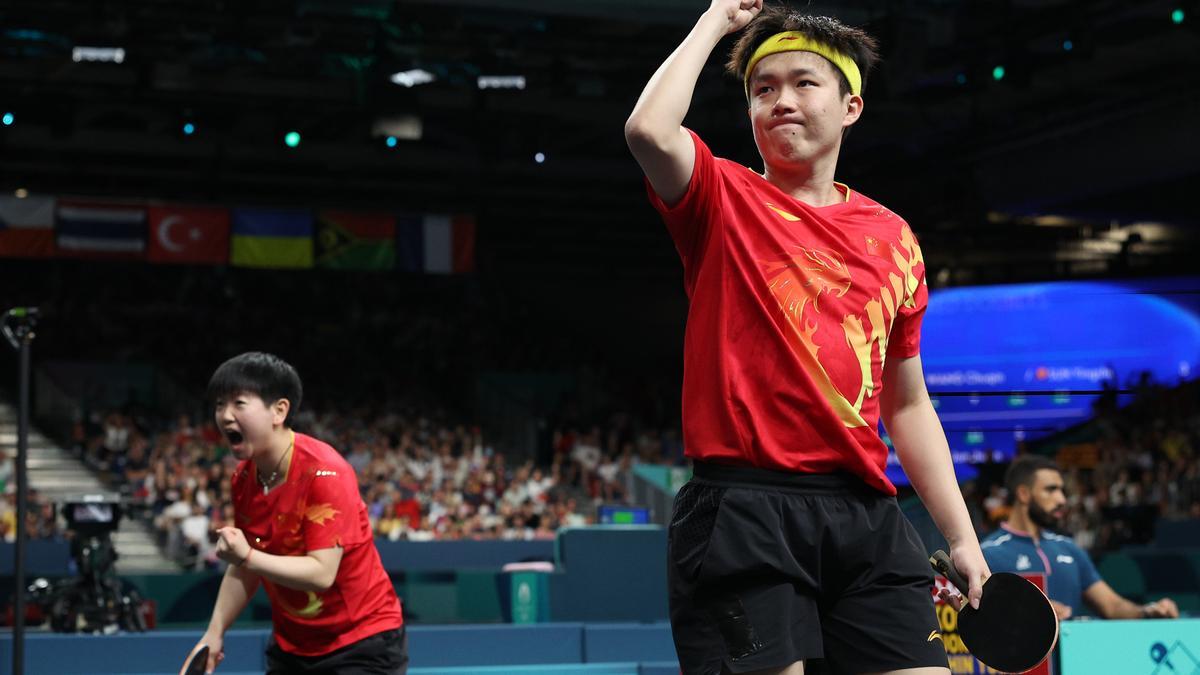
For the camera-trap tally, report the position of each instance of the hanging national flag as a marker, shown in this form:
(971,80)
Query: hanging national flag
(27,227)
(356,241)
(272,238)
(100,230)
(189,234)
(435,244)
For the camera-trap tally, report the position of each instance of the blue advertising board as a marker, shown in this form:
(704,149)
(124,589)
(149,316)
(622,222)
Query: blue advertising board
(1010,363)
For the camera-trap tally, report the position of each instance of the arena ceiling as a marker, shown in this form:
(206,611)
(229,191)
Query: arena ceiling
(1078,161)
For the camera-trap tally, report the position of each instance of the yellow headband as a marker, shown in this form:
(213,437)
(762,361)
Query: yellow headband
(794,41)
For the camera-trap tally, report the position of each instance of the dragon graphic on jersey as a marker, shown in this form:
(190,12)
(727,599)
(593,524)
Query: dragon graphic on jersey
(802,277)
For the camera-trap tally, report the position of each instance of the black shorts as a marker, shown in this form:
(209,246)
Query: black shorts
(767,568)
(384,653)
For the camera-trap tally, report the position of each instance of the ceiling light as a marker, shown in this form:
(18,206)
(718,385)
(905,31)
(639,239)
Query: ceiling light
(501,81)
(411,78)
(109,54)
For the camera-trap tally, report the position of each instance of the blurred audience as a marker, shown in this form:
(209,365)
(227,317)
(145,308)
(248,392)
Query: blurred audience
(1135,465)
(422,478)
(40,521)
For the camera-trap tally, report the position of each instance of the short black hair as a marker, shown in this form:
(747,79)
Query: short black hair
(264,375)
(853,42)
(1022,470)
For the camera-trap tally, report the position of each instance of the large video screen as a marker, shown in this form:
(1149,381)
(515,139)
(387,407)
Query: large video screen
(1018,362)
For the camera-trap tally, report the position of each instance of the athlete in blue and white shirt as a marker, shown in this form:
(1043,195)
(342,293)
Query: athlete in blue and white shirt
(1023,544)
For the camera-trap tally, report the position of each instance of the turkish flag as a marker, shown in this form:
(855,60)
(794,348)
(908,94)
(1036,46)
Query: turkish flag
(188,234)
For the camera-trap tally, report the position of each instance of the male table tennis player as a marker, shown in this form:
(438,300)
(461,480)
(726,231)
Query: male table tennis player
(806,299)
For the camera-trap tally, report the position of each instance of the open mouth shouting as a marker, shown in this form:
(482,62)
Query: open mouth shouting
(235,438)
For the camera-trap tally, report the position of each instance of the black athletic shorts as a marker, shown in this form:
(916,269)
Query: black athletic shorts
(384,653)
(767,568)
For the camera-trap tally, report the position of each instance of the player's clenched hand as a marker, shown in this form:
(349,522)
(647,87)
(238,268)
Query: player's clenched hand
(970,564)
(216,650)
(232,546)
(737,12)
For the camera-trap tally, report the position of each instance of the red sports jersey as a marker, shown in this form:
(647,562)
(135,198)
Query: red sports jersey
(317,507)
(792,311)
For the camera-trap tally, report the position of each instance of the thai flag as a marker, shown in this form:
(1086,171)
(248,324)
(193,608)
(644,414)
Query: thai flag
(101,230)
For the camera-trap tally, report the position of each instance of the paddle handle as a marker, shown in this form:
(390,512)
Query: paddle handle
(197,661)
(943,566)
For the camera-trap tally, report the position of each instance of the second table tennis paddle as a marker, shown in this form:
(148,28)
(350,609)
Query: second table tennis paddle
(1015,627)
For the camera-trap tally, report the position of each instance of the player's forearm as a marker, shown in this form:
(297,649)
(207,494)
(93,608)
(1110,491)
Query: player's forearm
(665,101)
(924,453)
(299,572)
(237,587)
(1120,608)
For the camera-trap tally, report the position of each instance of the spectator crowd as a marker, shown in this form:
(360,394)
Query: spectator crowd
(424,478)
(421,478)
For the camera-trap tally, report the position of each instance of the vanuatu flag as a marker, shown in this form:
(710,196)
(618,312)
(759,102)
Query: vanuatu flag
(349,240)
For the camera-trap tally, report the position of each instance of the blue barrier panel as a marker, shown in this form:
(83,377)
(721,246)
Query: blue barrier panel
(628,642)
(129,654)
(43,557)
(539,649)
(413,556)
(1158,647)
(613,573)
(498,645)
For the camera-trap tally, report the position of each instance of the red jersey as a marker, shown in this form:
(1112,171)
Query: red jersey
(793,309)
(317,507)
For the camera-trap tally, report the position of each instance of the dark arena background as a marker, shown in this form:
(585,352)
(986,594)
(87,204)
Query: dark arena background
(429,209)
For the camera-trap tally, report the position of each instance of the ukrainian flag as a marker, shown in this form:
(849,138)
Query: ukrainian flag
(272,238)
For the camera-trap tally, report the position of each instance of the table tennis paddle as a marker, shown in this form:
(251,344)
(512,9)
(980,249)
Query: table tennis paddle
(1015,627)
(197,662)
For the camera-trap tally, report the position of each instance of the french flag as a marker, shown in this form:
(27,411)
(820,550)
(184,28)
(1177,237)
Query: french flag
(101,230)
(435,244)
